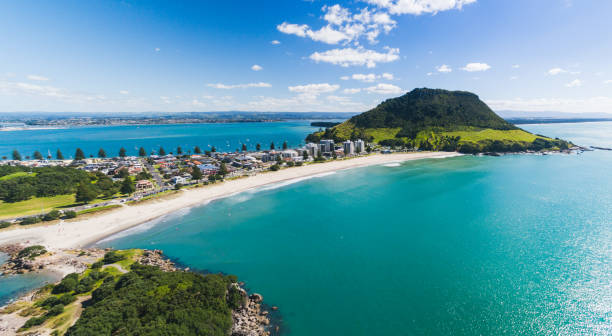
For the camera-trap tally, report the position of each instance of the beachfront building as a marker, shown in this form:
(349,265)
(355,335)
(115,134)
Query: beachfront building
(312,149)
(144,186)
(290,154)
(359,146)
(349,147)
(326,146)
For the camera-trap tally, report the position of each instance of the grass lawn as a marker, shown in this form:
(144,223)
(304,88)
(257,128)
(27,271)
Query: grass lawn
(490,134)
(98,209)
(17,174)
(34,206)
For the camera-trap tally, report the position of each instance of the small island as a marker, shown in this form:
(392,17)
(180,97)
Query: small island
(439,120)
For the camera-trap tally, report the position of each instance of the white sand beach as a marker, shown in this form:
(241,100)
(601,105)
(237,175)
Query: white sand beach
(79,233)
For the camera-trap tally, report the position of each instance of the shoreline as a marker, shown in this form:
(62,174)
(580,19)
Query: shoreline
(82,233)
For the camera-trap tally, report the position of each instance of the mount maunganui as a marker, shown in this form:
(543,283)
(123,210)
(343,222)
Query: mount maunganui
(435,119)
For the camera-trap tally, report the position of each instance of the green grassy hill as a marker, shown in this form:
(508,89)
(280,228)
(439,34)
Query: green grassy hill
(434,119)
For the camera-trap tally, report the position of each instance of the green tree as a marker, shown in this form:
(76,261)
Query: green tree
(196,173)
(258,147)
(179,150)
(305,155)
(162,152)
(59,155)
(272,145)
(127,186)
(37,155)
(197,150)
(78,154)
(285,145)
(101,153)
(223,169)
(86,193)
(122,152)
(16,155)
(244,147)
(213,149)
(142,152)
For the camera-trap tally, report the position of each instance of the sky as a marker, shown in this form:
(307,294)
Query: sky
(302,56)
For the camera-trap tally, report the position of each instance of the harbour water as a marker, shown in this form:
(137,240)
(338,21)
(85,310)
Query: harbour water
(518,244)
(225,137)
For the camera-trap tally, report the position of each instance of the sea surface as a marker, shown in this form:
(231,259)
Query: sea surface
(12,286)
(226,137)
(514,245)
(518,244)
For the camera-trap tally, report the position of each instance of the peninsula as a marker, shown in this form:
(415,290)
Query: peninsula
(435,119)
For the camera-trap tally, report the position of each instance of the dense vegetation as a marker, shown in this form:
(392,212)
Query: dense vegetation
(39,182)
(434,119)
(148,301)
(19,183)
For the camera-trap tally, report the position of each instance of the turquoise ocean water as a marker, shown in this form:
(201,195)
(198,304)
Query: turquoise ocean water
(225,137)
(11,286)
(519,244)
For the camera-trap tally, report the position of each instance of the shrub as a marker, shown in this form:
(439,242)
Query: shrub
(98,264)
(55,310)
(30,220)
(70,214)
(275,167)
(32,251)
(52,215)
(34,321)
(66,299)
(112,257)
(68,284)
(4,225)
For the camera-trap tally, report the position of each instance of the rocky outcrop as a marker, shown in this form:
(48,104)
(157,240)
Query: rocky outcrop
(156,258)
(250,320)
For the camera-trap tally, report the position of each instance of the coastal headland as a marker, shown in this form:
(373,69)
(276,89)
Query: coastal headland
(80,233)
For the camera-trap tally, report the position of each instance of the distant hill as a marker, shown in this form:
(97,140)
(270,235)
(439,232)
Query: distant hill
(435,119)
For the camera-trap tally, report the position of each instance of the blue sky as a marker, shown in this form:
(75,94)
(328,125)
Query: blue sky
(294,55)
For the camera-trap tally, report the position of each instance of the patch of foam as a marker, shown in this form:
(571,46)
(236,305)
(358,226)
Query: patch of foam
(392,164)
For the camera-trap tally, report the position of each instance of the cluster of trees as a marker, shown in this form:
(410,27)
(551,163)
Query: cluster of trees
(42,182)
(148,301)
(50,216)
(104,186)
(142,152)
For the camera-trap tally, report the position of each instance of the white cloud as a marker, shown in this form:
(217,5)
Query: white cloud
(444,68)
(345,77)
(593,104)
(314,89)
(124,92)
(240,86)
(556,71)
(275,42)
(343,26)
(157,49)
(37,78)
(516,66)
(513,77)
(418,7)
(351,91)
(574,83)
(368,78)
(384,89)
(387,76)
(292,29)
(473,67)
(609,81)
(356,56)
(256,67)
